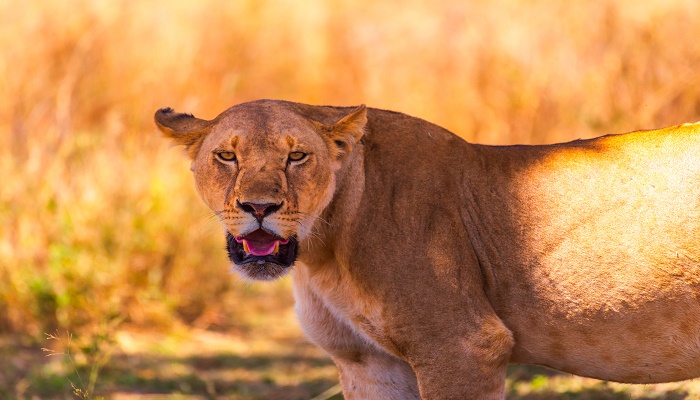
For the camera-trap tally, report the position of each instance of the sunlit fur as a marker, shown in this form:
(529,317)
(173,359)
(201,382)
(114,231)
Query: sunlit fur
(427,264)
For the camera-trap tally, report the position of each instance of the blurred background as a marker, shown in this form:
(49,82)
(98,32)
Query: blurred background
(104,244)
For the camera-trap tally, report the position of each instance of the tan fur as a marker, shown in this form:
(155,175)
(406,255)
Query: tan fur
(426,264)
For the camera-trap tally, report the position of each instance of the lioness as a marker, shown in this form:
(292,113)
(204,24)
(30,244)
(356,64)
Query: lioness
(424,264)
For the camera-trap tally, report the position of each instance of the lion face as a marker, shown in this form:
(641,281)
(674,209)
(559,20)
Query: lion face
(267,181)
(267,173)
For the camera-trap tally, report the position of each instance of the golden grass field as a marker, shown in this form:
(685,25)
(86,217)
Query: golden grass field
(103,238)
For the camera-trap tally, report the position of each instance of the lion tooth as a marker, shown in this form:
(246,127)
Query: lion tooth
(277,247)
(245,247)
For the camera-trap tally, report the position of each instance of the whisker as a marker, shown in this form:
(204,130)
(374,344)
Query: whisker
(305,215)
(312,233)
(323,220)
(207,228)
(206,216)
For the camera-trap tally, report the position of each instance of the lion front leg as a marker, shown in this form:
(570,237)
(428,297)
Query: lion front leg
(366,372)
(472,366)
(377,376)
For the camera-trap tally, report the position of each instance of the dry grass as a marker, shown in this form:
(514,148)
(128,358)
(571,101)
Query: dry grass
(98,218)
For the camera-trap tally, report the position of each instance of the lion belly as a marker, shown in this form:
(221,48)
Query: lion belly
(623,336)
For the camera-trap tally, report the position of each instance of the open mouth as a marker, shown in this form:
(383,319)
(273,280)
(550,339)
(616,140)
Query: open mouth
(261,247)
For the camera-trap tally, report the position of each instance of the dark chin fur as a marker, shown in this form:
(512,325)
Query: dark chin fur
(261,272)
(261,268)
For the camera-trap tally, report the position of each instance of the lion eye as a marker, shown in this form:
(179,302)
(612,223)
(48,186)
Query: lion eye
(226,156)
(297,156)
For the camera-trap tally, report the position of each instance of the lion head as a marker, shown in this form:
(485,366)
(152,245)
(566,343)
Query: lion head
(267,170)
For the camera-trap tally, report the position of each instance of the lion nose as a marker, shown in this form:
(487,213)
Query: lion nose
(259,210)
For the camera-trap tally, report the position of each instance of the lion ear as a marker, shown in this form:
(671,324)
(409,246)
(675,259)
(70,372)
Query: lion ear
(346,132)
(183,129)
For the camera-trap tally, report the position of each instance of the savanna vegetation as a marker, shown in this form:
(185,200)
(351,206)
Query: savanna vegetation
(104,245)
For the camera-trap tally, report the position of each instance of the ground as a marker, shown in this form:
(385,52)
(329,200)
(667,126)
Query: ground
(262,363)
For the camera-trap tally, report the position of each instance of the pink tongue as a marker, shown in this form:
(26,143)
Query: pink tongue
(262,243)
(261,249)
